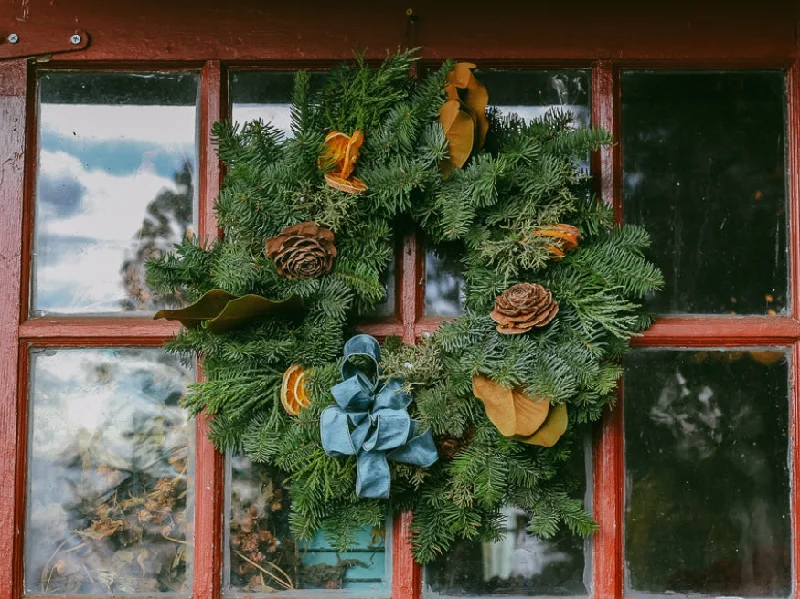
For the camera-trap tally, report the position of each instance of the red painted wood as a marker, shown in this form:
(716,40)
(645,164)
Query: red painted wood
(603,102)
(608,497)
(109,330)
(35,41)
(210,464)
(406,573)
(409,285)
(13,95)
(257,30)
(213,100)
(381,330)
(23,378)
(727,331)
(608,469)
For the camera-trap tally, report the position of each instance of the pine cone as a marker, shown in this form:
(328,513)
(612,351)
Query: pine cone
(448,447)
(522,307)
(303,251)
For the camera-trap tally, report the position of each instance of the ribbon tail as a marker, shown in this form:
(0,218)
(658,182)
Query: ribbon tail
(420,449)
(335,432)
(373,479)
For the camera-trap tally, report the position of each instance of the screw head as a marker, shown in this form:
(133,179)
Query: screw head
(75,39)
(12,38)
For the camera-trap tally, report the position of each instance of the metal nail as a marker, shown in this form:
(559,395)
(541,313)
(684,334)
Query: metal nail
(75,40)
(12,38)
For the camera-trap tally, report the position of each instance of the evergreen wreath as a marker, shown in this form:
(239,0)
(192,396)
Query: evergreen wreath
(554,292)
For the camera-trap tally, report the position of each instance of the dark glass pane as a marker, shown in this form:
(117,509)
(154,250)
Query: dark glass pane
(262,557)
(707,483)
(115,185)
(520,564)
(267,95)
(110,467)
(529,94)
(704,170)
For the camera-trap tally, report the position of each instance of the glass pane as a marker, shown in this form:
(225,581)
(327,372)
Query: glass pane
(115,184)
(267,95)
(520,564)
(704,170)
(262,557)
(110,468)
(529,94)
(707,480)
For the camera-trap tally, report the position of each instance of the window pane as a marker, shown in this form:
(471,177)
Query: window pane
(704,171)
(262,557)
(110,496)
(520,564)
(267,95)
(115,184)
(529,94)
(707,483)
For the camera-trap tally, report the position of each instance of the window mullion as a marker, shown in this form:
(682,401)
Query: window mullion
(209,470)
(13,99)
(608,471)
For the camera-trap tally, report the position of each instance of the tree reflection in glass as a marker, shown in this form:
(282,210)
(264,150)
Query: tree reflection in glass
(707,479)
(115,184)
(262,557)
(109,500)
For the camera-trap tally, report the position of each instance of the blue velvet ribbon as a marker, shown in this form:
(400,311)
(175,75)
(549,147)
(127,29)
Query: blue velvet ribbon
(372,424)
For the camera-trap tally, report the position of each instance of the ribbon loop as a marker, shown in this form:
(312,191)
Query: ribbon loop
(372,424)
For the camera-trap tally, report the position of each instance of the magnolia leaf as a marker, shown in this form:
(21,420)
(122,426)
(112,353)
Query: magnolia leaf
(247,307)
(551,430)
(220,311)
(475,100)
(207,307)
(499,404)
(531,413)
(448,113)
(461,75)
(461,136)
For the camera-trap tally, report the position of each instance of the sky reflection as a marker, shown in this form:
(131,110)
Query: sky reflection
(104,172)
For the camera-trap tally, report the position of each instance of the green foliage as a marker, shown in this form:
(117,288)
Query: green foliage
(526,177)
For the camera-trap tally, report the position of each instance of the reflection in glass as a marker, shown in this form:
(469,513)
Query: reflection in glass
(110,498)
(115,184)
(267,95)
(529,94)
(704,171)
(519,564)
(262,557)
(707,479)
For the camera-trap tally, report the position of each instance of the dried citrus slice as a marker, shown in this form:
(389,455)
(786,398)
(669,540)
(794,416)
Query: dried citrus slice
(289,383)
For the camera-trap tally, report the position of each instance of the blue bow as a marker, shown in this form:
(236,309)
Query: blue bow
(372,424)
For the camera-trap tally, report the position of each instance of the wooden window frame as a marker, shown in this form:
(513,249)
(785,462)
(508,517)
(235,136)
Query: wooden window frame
(758,37)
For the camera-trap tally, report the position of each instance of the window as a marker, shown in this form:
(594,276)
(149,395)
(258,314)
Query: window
(105,157)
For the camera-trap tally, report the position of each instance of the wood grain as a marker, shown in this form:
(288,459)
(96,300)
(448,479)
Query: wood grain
(209,464)
(608,467)
(13,94)
(249,30)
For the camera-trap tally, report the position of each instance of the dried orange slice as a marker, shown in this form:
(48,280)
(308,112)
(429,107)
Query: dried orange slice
(341,153)
(293,391)
(351,185)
